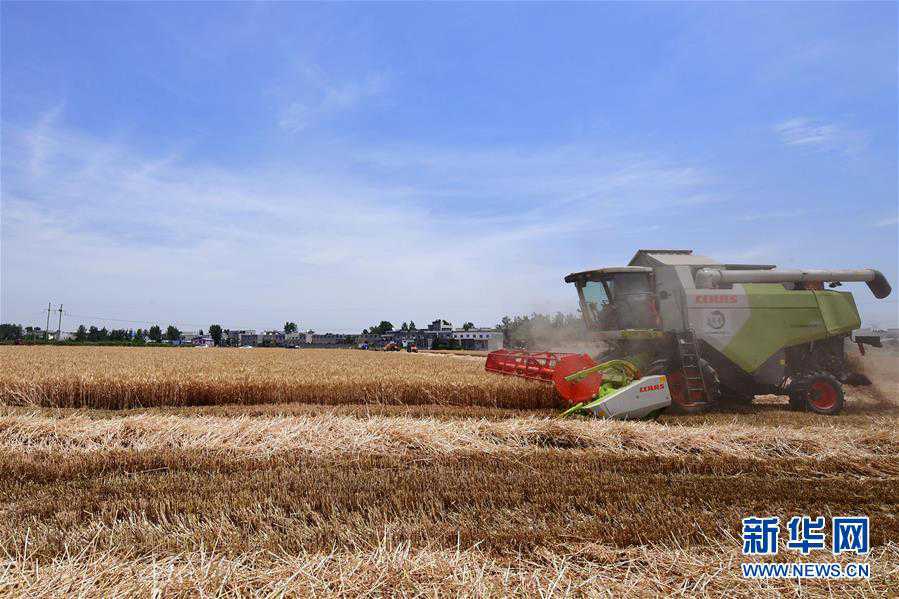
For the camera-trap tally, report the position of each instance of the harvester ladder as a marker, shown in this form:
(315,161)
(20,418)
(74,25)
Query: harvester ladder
(688,349)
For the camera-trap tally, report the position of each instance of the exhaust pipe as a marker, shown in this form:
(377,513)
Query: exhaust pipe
(710,278)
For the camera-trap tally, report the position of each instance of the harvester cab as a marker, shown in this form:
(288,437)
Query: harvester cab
(675,328)
(614,299)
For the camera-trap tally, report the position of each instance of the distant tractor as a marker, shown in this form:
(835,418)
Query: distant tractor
(684,326)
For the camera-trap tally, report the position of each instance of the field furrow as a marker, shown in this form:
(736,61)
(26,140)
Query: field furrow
(429,437)
(175,501)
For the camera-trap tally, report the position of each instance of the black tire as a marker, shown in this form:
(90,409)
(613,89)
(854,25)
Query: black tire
(818,392)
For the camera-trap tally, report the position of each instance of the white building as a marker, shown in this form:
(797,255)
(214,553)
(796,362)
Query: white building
(479,338)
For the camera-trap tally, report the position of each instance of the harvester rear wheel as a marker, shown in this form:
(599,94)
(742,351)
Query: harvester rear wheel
(819,392)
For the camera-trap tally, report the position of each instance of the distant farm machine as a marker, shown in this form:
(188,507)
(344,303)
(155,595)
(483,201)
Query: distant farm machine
(682,331)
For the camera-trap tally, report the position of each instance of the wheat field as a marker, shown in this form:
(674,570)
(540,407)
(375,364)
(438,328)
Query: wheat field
(181,472)
(123,377)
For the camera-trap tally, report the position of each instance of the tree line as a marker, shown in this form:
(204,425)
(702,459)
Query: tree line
(386,327)
(10,332)
(92,334)
(535,330)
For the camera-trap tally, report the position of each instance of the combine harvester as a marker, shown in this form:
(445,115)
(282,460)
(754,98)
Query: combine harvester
(684,331)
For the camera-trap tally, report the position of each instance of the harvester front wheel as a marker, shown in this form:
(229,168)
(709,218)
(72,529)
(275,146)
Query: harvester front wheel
(820,393)
(681,402)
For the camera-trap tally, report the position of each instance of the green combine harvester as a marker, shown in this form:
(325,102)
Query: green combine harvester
(684,332)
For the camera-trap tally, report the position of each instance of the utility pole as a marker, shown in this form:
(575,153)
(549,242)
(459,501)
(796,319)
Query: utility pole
(59,325)
(47,330)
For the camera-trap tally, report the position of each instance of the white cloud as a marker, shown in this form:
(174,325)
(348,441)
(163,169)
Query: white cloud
(295,117)
(410,231)
(313,97)
(39,140)
(568,180)
(760,253)
(771,215)
(819,135)
(887,222)
(348,95)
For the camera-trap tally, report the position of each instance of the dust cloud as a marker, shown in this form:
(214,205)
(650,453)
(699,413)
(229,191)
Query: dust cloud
(881,366)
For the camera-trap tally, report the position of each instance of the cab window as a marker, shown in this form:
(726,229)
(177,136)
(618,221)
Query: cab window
(619,301)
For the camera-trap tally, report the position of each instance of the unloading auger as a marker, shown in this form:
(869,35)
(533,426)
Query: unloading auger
(685,331)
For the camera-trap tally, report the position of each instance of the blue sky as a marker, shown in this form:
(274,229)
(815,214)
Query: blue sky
(337,164)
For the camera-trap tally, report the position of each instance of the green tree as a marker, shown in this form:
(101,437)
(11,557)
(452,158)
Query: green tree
(290,327)
(93,334)
(215,331)
(172,333)
(81,334)
(404,327)
(467,326)
(139,336)
(104,334)
(365,331)
(200,333)
(412,325)
(385,327)
(10,331)
(155,333)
